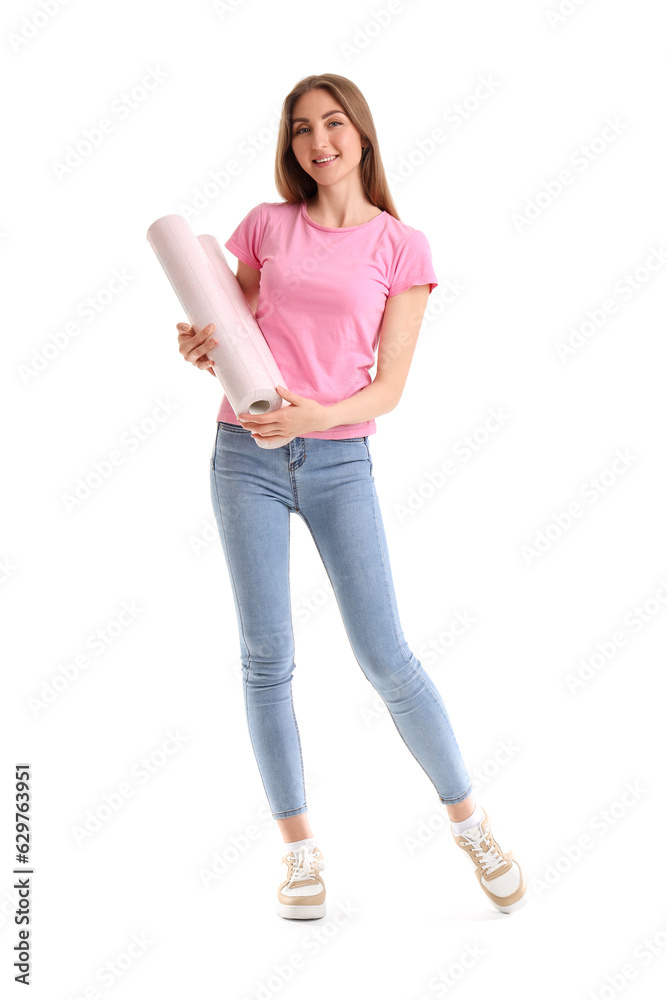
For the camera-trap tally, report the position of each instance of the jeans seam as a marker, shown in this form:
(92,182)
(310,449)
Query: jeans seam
(290,812)
(291,467)
(368,453)
(291,692)
(459,798)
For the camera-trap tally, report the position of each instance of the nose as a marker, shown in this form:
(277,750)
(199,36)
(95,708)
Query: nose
(321,143)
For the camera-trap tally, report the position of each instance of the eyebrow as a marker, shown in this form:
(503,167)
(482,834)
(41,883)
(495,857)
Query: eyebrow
(325,115)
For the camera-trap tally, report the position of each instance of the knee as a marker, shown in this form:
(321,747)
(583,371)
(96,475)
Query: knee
(393,676)
(268,658)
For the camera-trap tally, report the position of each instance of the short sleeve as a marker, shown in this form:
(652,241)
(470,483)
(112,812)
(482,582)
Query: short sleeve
(413,265)
(245,242)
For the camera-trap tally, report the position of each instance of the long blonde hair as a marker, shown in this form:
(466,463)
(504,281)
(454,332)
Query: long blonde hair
(292,182)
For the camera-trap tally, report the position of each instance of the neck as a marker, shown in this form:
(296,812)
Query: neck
(341,206)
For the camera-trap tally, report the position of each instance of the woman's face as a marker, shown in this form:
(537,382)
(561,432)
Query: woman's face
(326,132)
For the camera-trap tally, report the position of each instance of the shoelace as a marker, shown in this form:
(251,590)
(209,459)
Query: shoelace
(490,859)
(303,861)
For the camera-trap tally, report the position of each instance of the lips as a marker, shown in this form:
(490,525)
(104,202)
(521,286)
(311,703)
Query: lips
(327,160)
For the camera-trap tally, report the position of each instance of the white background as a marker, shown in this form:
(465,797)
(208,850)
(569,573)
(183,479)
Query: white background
(403,902)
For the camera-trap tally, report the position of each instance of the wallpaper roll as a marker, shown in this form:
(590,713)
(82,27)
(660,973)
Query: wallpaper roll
(209,292)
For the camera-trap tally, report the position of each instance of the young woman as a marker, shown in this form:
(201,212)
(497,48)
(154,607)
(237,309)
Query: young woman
(332,274)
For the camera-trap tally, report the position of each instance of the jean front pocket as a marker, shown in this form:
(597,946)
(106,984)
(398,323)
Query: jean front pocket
(368,452)
(236,428)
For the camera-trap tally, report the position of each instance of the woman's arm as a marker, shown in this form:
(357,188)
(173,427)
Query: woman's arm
(248,279)
(401,323)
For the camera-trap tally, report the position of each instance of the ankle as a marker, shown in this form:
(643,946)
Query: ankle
(474,819)
(295,844)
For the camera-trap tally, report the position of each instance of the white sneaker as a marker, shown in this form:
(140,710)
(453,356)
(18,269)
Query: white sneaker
(499,875)
(302,894)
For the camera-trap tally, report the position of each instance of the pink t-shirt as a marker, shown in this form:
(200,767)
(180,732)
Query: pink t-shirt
(322,296)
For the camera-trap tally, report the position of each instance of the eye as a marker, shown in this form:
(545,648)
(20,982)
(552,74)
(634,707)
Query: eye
(334,122)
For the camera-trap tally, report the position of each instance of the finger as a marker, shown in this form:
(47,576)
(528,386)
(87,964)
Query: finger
(195,353)
(206,332)
(185,330)
(202,344)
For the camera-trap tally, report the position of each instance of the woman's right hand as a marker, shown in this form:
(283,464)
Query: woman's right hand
(193,347)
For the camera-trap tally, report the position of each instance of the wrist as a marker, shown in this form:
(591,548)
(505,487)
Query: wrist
(325,421)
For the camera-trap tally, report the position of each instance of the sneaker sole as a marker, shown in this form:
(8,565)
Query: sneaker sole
(301,912)
(513,906)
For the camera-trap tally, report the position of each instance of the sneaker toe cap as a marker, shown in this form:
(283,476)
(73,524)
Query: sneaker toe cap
(505,884)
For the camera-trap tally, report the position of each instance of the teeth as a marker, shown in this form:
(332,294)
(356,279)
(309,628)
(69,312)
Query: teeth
(325,158)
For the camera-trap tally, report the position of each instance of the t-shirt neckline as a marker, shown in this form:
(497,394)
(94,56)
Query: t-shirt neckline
(338,229)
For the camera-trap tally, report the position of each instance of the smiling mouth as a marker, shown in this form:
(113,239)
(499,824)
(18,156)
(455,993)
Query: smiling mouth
(327,159)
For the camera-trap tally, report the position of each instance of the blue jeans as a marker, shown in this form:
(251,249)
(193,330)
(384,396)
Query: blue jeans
(330,484)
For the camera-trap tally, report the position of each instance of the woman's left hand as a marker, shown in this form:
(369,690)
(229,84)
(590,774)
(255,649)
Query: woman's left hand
(301,417)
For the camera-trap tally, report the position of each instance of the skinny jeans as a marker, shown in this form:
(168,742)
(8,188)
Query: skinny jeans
(330,485)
